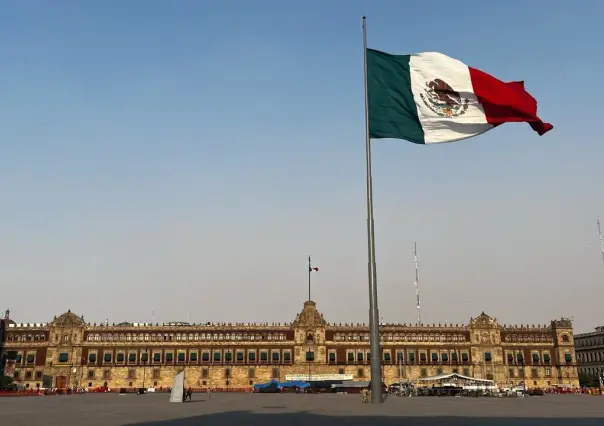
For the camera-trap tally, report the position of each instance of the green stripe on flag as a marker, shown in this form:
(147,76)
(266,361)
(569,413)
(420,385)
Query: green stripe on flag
(392,109)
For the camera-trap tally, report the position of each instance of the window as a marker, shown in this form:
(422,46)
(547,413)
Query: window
(156,357)
(535,358)
(487,356)
(275,357)
(519,357)
(63,357)
(107,375)
(350,357)
(422,357)
(239,356)
(120,357)
(30,358)
(131,374)
(251,356)
(444,357)
(216,356)
(565,338)
(204,373)
(454,356)
(131,357)
(465,357)
(38,375)
(205,356)
(466,372)
(510,357)
(263,356)
(360,357)
(434,357)
(568,358)
(310,356)
(400,357)
(251,373)
(548,372)
(360,372)
(156,373)
(287,357)
(181,357)
(19,358)
(107,358)
(193,356)
(228,357)
(28,375)
(423,372)
(387,356)
(332,357)
(144,357)
(91,374)
(534,372)
(169,357)
(92,358)
(341,371)
(275,373)
(412,357)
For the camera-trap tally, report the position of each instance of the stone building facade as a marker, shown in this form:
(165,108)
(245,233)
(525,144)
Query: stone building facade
(590,352)
(70,352)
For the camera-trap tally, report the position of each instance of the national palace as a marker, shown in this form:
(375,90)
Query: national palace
(71,352)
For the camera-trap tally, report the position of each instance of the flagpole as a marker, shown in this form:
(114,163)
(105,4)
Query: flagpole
(309,272)
(376,368)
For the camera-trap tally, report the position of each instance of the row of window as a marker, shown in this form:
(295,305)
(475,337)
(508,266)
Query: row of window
(178,337)
(587,342)
(16,337)
(528,338)
(276,356)
(590,356)
(402,337)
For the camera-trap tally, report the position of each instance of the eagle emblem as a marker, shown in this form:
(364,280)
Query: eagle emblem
(442,100)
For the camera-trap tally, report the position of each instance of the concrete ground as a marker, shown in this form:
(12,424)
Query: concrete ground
(293,410)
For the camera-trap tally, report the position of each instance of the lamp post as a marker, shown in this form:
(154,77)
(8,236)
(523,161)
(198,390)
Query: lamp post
(145,357)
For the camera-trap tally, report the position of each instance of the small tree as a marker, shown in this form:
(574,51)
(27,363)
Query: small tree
(5,382)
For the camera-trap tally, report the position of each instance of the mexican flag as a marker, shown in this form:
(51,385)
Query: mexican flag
(431,98)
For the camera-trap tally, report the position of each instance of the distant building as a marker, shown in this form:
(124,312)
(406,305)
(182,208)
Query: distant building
(74,352)
(590,352)
(4,323)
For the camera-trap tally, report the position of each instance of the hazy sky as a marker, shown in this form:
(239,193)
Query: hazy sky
(187,157)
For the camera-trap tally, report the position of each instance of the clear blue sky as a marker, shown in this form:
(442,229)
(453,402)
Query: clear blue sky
(187,156)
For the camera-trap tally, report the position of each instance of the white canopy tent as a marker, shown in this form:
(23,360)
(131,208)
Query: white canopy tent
(455,379)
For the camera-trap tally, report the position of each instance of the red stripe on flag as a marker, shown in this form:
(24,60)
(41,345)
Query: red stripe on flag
(506,102)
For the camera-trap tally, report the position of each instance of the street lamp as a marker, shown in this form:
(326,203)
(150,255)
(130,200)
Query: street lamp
(144,360)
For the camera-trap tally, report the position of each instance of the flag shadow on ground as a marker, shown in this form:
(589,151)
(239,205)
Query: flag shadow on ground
(247,418)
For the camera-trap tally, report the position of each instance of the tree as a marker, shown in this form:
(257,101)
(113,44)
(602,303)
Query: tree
(588,380)
(6,382)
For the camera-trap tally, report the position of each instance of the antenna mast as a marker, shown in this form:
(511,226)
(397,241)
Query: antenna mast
(419,315)
(601,239)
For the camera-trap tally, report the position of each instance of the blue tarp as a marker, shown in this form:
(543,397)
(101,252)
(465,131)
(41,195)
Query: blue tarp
(294,384)
(280,385)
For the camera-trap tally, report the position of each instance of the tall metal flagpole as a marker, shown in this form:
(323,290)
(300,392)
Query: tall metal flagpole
(374,316)
(309,272)
(601,239)
(419,313)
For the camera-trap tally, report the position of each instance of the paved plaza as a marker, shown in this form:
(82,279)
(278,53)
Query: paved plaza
(294,410)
